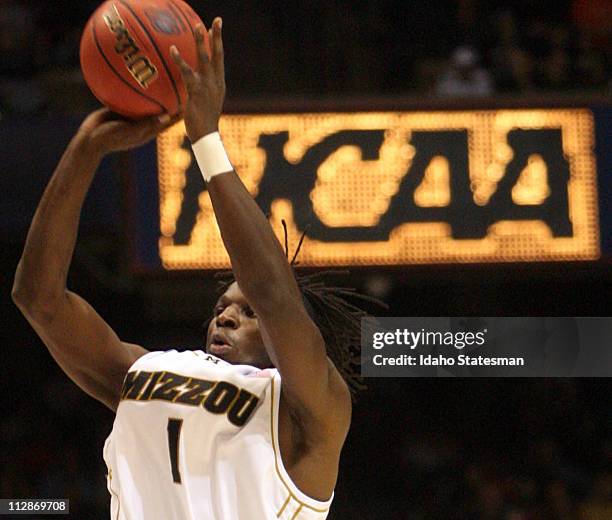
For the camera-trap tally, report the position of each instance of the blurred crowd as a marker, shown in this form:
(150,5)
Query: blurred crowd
(510,52)
(548,457)
(482,450)
(371,48)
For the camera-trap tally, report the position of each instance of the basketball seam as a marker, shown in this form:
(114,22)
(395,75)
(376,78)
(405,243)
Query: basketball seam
(178,15)
(118,74)
(159,54)
(178,7)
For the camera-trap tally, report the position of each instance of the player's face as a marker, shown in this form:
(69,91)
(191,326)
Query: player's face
(233,333)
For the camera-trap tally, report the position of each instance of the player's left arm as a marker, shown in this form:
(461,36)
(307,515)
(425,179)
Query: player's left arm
(312,387)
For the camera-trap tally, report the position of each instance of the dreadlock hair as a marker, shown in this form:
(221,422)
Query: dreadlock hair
(334,310)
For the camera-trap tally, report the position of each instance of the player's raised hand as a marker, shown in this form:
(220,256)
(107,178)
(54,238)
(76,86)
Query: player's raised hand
(106,132)
(205,85)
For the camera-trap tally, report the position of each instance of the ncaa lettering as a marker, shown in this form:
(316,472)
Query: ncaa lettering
(467,220)
(218,397)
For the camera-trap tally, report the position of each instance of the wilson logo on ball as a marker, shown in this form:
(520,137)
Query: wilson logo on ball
(140,67)
(163,21)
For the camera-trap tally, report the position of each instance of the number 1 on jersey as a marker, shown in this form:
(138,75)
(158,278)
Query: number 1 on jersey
(174,432)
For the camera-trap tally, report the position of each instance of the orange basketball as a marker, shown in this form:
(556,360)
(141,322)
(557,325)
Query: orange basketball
(125,55)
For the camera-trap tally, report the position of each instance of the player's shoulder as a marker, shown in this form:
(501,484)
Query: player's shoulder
(173,356)
(189,360)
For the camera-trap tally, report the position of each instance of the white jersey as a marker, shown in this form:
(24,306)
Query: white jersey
(196,438)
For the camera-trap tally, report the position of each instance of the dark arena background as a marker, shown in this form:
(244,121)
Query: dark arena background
(463,82)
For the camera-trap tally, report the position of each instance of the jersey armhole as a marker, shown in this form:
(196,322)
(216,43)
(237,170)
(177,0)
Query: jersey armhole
(294,492)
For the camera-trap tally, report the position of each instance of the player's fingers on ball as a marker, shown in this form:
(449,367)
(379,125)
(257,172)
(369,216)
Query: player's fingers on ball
(98,117)
(102,114)
(149,129)
(217,45)
(184,68)
(178,59)
(166,120)
(163,119)
(145,128)
(175,118)
(203,59)
(114,128)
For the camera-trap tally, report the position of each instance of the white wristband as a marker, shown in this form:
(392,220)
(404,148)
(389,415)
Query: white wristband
(211,156)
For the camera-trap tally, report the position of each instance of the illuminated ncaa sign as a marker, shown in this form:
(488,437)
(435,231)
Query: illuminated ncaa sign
(389,188)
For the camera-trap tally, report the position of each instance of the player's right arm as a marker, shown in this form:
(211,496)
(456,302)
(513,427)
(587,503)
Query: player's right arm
(81,342)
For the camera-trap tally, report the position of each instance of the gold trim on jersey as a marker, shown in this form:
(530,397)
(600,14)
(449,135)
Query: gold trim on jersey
(297,512)
(284,506)
(276,456)
(113,492)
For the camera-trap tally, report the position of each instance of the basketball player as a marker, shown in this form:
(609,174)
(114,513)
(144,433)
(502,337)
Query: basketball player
(252,427)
